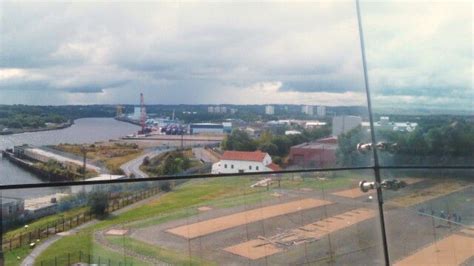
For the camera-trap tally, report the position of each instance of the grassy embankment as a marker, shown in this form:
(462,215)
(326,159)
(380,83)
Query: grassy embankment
(170,163)
(112,155)
(180,203)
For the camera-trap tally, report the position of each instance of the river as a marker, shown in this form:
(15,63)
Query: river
(85,130)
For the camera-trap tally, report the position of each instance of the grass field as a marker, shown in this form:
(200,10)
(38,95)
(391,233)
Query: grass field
(429,193)
(161,254)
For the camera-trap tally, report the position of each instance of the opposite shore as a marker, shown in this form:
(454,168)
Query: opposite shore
(26,130)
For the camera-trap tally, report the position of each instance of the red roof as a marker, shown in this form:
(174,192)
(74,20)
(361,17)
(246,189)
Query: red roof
(274,167)
(257,156)
(330,140)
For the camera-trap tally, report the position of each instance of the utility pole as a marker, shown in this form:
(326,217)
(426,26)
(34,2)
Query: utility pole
(84,154)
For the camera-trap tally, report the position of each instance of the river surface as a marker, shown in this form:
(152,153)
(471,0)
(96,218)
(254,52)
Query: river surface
(85,130)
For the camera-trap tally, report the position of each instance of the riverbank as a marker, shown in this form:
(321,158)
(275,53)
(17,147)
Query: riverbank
(127,120)
(25,130)
(32,168)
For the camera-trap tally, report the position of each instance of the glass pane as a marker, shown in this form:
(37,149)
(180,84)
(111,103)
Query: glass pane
(430,221)
(245,92)
(420,69)
(286,219)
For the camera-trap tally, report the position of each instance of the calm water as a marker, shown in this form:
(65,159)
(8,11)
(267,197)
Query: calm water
(86,130)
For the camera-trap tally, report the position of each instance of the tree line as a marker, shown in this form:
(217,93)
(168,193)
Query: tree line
(277,145)
(447,141)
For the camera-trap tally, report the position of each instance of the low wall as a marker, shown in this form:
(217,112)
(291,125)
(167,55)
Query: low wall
(42,174)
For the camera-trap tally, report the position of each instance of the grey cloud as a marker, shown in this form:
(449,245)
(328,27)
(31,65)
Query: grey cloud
(190,52)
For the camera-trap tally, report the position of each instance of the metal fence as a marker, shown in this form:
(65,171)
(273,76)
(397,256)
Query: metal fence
(64,224)
(82,258)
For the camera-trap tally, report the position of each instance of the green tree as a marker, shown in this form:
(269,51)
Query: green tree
(98,202)
(239,140)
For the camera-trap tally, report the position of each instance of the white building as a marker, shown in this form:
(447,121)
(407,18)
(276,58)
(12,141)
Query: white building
(344,124)
(243,162)
(321,111)
(137,113)
(307,109)
(269,110)
(386,124)
(314,124)
(292,132)
(217,109)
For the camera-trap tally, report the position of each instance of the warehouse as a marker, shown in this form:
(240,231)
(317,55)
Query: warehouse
(206,128)
(317,154)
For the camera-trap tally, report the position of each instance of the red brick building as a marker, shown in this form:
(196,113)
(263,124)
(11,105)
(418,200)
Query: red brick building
(317,154)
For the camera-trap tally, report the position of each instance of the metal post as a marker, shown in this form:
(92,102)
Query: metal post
(372,133)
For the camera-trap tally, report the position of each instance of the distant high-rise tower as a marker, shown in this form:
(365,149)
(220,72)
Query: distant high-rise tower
(269,110)
(321,111)
(307,109)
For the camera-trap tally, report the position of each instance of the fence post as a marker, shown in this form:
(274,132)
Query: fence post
(55,261)
(80,255)
(68,258)
(99,261)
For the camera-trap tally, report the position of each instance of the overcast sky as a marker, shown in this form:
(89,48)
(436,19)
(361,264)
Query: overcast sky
(243,53)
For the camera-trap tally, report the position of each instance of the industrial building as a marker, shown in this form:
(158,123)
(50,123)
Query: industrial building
(344,124)
(136,113)
(12,207)
(386,124)
(318,154)
(206,128)
(243,162)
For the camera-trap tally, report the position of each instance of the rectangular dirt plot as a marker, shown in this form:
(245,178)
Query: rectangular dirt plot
(263,247)
(452,250)
(225,222)
(254,249)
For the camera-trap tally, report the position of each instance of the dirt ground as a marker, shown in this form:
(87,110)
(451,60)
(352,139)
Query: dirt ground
(452,250)
(262,247)
(242,218)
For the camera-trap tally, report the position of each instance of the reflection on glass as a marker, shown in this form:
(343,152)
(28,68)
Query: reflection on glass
(430,221)
(274,219)
(420,69)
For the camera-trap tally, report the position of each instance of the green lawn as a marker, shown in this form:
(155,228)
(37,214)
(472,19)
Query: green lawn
(15,257)
(161,254)
(82,242)
(45,221)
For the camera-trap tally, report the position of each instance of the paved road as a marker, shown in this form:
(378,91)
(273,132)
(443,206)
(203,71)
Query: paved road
(204,155)
(133,166)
